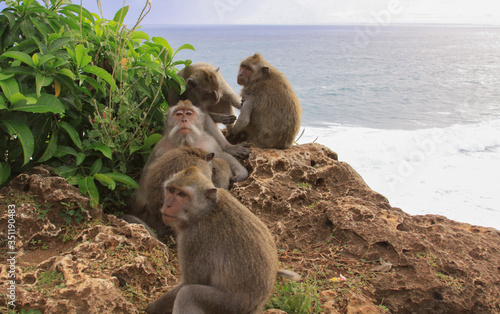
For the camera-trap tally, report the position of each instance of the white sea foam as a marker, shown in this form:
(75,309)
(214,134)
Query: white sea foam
(452,171)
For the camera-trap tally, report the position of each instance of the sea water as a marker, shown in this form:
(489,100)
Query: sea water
(415,109)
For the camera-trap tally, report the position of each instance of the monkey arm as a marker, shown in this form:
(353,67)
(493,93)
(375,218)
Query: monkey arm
(243,118)
(236,150)
(222,118)
(240,173)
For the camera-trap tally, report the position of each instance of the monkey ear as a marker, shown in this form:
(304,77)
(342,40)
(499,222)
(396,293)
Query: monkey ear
(209,157)
(191,82)
(265,70)
(211,194)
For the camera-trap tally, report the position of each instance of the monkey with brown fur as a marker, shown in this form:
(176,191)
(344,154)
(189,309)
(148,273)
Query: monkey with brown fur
(271,113)
(149,198)
(227,255)
(184,126)
(207,89)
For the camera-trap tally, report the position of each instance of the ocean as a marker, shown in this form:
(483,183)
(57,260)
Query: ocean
(414,109)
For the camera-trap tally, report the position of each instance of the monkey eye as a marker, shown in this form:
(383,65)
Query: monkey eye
(189,112)
(182,194)
(171,190)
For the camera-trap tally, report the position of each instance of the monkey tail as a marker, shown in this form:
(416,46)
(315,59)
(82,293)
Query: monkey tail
(288,274)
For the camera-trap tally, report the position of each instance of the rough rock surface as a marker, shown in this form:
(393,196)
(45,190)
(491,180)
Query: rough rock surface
(327,222)
(432,264)
(96,265)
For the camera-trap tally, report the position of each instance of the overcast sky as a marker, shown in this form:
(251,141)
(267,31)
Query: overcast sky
(306,11)
(303,11)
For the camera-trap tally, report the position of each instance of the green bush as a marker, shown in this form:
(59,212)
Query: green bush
(80,93)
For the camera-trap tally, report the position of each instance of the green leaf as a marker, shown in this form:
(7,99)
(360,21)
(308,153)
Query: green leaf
(80,157)
(45,103)
(9,87)
(5,171)
(5,76)
(3,104)
(123,178)
(96,166)
(162,42)
(35,59)
(23,134)
(78,10)
(42,81)
(105,150)
(183,47)
(18,55)
(65,150)
(81,57)
(140,35)
(58,44)
(67,72)
(66,171)
(102,74)
(87,185)
(51,148)
(120,15)
(45,58)
(151,140)
(18,97)
(152,66)
(105,180)
(72,133)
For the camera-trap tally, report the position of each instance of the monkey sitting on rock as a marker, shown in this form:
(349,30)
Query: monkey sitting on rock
(149,198)
(227,256)
(184,126)
(271,113)
(184,144)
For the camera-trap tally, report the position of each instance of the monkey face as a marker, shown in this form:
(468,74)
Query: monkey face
(173,210)
(184,118)
(203,88)
(244,74)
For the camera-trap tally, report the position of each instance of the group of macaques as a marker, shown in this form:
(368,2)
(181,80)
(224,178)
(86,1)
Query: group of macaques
(227,255)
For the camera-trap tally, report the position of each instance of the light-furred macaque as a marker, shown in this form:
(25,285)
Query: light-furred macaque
(227,256)
(149,198)
(207,89)
(184,126)
(271,113)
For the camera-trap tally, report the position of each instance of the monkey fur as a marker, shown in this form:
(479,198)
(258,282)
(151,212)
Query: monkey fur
(149,198)
(227,256)
(271,113)
(207,89)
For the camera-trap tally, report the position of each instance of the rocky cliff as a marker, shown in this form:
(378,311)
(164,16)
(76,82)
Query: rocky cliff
(363,255)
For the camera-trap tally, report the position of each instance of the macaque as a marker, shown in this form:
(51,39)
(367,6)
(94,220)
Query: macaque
(207,89)
(184,126)
(149,198)
(227,256)
(271,113)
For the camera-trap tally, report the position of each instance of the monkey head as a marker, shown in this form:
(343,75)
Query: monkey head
(202,87)
(189,196)
(253,68)
(184,123)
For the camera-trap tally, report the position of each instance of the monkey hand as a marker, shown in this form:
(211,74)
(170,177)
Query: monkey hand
(228,119)
(238,151)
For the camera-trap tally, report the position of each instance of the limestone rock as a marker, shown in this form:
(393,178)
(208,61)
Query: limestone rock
(99,264)
(326,220)
(437,265)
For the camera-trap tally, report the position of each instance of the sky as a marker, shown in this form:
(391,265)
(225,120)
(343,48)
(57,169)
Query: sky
(303,11)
